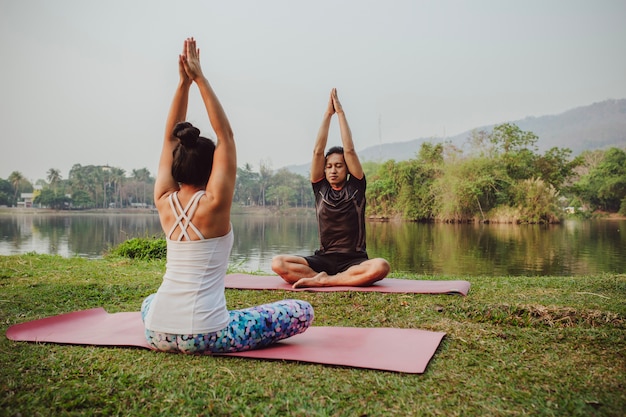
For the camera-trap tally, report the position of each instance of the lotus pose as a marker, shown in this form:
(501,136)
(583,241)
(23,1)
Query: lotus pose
(193,194)
(339,185)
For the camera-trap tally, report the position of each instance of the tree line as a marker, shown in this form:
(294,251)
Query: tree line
(88,187)
(103,187)
(502,178)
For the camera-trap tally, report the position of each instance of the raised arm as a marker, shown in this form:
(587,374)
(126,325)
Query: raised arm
(165,183)
(319,160)
(349,153)
(221,185)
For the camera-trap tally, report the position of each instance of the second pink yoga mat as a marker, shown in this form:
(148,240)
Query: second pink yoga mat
(387,285)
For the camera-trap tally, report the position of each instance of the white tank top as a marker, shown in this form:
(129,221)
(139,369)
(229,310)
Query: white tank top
(191,297)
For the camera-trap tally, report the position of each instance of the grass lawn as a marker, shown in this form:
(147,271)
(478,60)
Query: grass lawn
(514,346)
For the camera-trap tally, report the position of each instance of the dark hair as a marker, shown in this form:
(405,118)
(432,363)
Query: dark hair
(335,149)
(193,156)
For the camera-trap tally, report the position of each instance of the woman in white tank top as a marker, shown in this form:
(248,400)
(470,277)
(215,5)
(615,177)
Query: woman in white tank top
(193,194)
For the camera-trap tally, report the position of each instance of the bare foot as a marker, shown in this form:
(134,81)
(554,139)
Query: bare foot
(319,280)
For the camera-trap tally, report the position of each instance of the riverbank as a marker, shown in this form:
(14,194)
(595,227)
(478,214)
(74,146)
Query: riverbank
(246,210)
(239,210)
(513,346)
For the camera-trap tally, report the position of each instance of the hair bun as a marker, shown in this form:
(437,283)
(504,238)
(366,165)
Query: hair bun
(187,134)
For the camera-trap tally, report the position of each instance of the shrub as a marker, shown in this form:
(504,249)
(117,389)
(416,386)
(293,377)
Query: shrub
(141,248)
(537,201)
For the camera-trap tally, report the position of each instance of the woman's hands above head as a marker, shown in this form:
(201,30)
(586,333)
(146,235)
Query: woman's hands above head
(190,60)
(184,78)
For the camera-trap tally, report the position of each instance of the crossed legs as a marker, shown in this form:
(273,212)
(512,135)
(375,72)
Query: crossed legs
(249,328)
(297,272)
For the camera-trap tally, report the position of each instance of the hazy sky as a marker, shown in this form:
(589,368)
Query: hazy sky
(90,82)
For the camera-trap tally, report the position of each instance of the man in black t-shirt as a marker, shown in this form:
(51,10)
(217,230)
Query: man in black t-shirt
(339,185)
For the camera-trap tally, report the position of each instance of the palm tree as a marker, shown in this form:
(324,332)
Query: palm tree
(15,179)
(88,178)
(54,177)
(118,175)
(265,171)
(142,176)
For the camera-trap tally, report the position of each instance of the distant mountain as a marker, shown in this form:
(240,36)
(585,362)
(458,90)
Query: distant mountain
(597,126)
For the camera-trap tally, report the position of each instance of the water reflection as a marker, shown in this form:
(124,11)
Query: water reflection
(572,248)
(259,238)
(86,235)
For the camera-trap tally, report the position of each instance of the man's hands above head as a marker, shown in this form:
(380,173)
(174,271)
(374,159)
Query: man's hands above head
(335,100)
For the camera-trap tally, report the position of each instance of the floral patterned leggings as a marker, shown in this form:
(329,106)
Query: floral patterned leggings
(249,328)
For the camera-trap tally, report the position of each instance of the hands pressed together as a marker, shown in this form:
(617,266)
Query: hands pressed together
(334,106)
(189,62)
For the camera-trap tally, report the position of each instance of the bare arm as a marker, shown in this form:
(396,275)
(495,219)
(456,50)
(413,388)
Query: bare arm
(165,183)
(319,161)
(349,153)
(221,185)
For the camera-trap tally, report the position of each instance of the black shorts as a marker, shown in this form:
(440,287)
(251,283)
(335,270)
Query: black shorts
(334,263)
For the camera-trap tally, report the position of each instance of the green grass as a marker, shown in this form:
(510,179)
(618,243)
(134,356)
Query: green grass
(514,346)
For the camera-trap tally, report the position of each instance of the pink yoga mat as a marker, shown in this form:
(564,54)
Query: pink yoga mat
(387,285)
(387,349)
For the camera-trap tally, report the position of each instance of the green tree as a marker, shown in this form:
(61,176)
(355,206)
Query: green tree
(416,199)
(81,180)
(142,183)
(405,188)
(82,200)
(604,187)
(281,195)
(54,178)
(537,201)
(469,188)
(5,192)
(282,188)
(516,150)
(247,187)
(117,176)
(265,175)
(382,189)
(303,189)
(16,178)
(508,138)
(51,199)
(556,166)
(92,179)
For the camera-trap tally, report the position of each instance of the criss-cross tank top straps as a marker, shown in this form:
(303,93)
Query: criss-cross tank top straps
(184,216)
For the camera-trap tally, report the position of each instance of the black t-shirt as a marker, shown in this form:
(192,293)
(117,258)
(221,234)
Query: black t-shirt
(341,216)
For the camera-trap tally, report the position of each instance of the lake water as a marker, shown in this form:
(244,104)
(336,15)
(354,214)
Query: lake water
(574,247)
